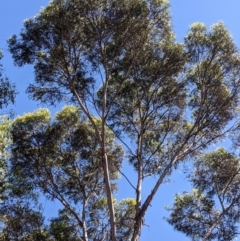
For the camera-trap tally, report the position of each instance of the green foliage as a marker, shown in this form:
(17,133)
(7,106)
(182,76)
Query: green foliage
(5,139)
(125,212)
(7,90)
(62,159)
(21,220)
(188,212)
(120,64)
(5,142)
(210,212)
(63,228)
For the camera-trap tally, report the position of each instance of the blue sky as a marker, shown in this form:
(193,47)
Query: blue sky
(184,13)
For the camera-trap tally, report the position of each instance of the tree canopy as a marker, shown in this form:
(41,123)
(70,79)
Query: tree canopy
(137,95)
(211,211)
(7,90)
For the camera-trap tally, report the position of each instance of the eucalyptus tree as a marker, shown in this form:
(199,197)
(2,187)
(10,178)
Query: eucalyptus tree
(21,221)
(211,210)
(61,158)
(7,96)
(7,90)
(120,61)
(20,215)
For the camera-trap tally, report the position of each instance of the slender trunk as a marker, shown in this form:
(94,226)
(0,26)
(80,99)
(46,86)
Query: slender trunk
(109,198)
(141,214)
(139,222)
(106,169)
(85,234)
(101,138)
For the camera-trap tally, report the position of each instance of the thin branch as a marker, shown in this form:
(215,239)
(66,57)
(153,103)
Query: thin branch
(126,177)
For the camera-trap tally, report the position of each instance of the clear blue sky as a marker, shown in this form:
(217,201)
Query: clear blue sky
(184,13)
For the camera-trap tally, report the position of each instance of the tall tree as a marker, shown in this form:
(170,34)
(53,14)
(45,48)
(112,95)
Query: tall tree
(211,210)
(62,159)
(119,60)
(20,214)
(7,96)
(21,221)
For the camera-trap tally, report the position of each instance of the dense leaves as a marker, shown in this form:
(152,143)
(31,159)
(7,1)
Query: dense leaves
(21,222)
(119,60)
(211,211)
(62,159)
(7,90)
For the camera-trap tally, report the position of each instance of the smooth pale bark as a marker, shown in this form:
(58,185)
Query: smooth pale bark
(101,138)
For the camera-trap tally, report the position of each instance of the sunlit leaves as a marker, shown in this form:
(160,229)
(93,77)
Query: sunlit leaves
(211,211)
(62,159)
(164,101)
